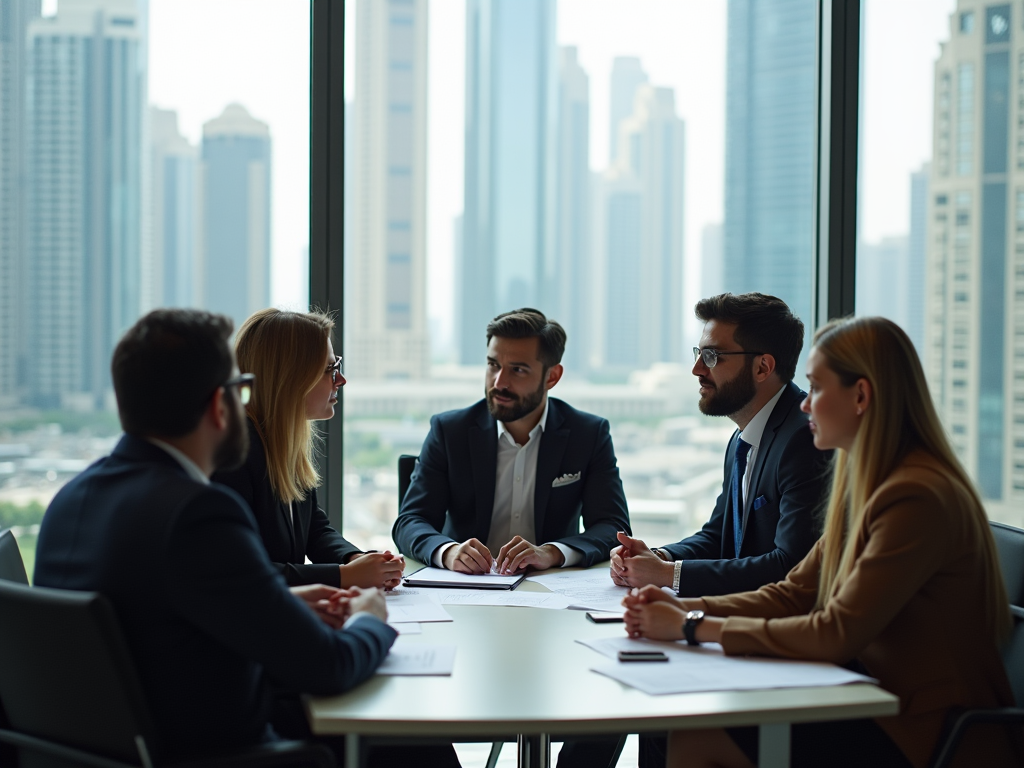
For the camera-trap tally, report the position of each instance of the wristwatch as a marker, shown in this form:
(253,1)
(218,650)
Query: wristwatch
(693,618)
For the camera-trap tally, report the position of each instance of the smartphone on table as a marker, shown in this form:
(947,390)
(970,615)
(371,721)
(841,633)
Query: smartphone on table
(642,656)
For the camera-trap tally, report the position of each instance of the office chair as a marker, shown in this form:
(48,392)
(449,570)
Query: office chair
(1010,545)
(12,567)
(73,697)
(406,464)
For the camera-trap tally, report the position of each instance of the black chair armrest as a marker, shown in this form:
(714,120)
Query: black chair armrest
(1009,715)
(70,754)
(276,754)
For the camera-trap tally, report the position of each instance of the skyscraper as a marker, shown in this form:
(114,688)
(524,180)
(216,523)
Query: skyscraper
(643,218)
(570,294)
(510,169)
(386,325)
(236,214)
(974,331)
(771,76)
(15,16)
(917,248)
(85,154)
(627,76)
(712,271)
(175,223)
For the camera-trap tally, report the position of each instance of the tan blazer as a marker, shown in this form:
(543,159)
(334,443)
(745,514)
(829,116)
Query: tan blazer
(909,612)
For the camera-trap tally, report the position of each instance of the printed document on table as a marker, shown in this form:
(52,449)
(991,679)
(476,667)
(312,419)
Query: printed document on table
(441,577)
(410,605)
(707,668)
(585,589)
(418,659)
(551,600)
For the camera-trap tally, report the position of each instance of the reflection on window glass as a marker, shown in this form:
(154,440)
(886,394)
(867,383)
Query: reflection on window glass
(941,145)
(561,156)
(146,160)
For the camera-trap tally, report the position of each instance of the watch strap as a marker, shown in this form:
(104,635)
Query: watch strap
(677,571)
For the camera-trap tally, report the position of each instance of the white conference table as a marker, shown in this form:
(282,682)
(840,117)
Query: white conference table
(520,674)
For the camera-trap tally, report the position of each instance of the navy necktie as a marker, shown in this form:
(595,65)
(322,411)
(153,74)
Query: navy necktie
(739,466)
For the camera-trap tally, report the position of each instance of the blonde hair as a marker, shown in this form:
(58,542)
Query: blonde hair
(287,352)
(901,418)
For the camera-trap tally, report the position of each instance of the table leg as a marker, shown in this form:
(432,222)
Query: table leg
(352,756)
(773,746)
(534,751)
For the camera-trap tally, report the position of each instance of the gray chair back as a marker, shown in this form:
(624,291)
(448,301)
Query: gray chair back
(406,464)
(66,675)
(12,567)
(1010,545)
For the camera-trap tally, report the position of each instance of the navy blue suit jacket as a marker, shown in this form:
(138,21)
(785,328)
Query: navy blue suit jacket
(207,617)
(451,495)
(790,483)
(289,544)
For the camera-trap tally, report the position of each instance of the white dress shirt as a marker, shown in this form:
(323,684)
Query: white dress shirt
(515,485)
(752,434)
(190,467)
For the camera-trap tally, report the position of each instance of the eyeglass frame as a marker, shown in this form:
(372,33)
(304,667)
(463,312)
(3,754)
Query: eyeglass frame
(244,382)
(337,370)
(699,354)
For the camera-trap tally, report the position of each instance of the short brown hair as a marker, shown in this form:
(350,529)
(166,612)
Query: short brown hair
(763,324)
(529,323)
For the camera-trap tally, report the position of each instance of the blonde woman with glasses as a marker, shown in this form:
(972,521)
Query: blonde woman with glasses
(904,584)
(297,381)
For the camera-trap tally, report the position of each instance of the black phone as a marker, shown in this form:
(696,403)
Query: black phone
(642,656)
(602,617)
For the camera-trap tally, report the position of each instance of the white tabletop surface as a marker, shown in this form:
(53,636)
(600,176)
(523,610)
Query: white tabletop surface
(520,671)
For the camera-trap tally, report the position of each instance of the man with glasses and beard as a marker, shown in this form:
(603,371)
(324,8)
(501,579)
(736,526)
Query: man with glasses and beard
(505,482)
(209,620)
(766,517)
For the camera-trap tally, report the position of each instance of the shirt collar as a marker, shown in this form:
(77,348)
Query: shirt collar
(191,468)
(755,428)
(502,431)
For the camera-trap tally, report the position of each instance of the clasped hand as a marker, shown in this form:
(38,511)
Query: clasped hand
(333,606)
(472,556)
(373,569)
(633,564)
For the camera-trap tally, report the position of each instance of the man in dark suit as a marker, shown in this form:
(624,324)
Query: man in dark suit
(207,618)
(765,520)
(509,478)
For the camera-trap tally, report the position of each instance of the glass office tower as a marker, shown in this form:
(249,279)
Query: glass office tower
(86,94)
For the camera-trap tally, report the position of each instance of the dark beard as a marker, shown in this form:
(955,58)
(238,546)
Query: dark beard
(520,408)
(730,397)
(234,448)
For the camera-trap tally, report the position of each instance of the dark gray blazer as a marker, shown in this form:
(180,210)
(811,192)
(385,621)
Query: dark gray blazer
(789,484)
(451,495)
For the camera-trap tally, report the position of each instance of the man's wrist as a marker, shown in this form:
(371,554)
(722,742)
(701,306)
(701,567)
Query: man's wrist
(662,554)
(555,553)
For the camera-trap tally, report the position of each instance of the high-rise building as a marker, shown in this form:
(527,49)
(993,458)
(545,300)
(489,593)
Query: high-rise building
(386,323)
(570,294)
(15,16)
(510,168)
(974,330)
(883,273)
(643,217)
(917,248)
(771,76)
(86,97)
(236,214)
(175,218)
(627,76)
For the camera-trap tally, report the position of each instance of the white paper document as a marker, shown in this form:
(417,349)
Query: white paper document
(418,659)
(551,600)
(585,589)
(707,668)
(407,628)
(410,605)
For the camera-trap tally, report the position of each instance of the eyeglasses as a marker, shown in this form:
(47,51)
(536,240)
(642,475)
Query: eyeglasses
(710,355)
(244,383)
(336,371)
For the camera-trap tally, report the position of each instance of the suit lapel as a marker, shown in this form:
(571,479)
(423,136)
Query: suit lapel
(775,420)
(553,442)
(483,452)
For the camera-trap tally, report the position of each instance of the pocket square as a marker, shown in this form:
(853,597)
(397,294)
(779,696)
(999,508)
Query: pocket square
(759,502)
(565,480)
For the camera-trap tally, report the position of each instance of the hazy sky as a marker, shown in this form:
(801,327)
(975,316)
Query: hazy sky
(205,54)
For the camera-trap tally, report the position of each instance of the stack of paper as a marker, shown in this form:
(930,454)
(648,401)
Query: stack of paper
(584,589)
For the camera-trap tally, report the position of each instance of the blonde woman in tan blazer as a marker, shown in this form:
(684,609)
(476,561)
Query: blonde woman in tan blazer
(904,582)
